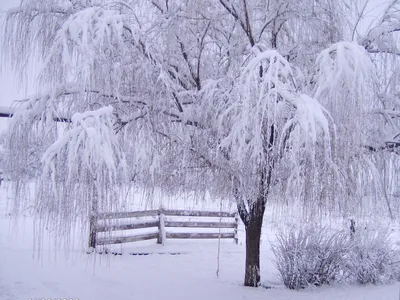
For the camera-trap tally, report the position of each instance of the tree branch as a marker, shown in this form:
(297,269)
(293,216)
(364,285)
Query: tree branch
(234,14)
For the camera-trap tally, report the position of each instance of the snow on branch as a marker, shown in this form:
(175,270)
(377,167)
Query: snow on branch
(32,128)
(343,63)
(35,8)
(85,36)
(313,123)
(381,37)
(268,127)
(82,173)
(41,106)
(55,104)
(346,83)
(251,116)
(266,108)
(89,146)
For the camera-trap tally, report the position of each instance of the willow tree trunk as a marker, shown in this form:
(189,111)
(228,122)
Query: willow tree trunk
(252,216)
(253,238)
(253,224)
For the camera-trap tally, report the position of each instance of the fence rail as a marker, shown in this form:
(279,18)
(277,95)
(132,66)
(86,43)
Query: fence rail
(199,235)
(127,239)
(230,221)
(193,224)
(127,226)
(128,214)
(198,213)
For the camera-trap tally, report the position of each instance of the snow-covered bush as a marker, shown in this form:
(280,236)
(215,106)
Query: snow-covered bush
(310,256)
(372,258)
(315,256)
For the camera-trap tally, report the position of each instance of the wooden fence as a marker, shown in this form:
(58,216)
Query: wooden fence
(229,221)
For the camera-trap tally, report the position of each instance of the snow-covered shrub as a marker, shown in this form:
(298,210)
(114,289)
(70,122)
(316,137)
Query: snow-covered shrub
(372,258)
(310,256)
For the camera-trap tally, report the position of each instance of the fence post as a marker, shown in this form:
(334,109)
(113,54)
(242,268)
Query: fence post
(161,227)
(92,231)
(235,229)
(93,222)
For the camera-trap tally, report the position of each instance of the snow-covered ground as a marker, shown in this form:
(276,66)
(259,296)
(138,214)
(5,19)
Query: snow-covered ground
(159,275)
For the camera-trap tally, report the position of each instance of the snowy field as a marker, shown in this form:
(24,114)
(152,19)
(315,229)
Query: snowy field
(188,275)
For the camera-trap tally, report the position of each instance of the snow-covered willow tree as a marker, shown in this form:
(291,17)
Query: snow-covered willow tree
(356,81)
(222,96)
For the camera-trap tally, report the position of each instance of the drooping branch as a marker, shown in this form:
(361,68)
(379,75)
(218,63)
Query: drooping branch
(35,11)
(380,38)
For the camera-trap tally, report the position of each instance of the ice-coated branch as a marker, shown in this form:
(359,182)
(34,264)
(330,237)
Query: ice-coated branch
(262,105)
(85,35)
(380,38)
(343,62)
(82,171)
(90,144)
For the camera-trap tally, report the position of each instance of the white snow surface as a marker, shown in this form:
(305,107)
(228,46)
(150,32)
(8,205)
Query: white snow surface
(190,275)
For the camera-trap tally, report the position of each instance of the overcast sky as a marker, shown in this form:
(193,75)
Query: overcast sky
(9,91)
